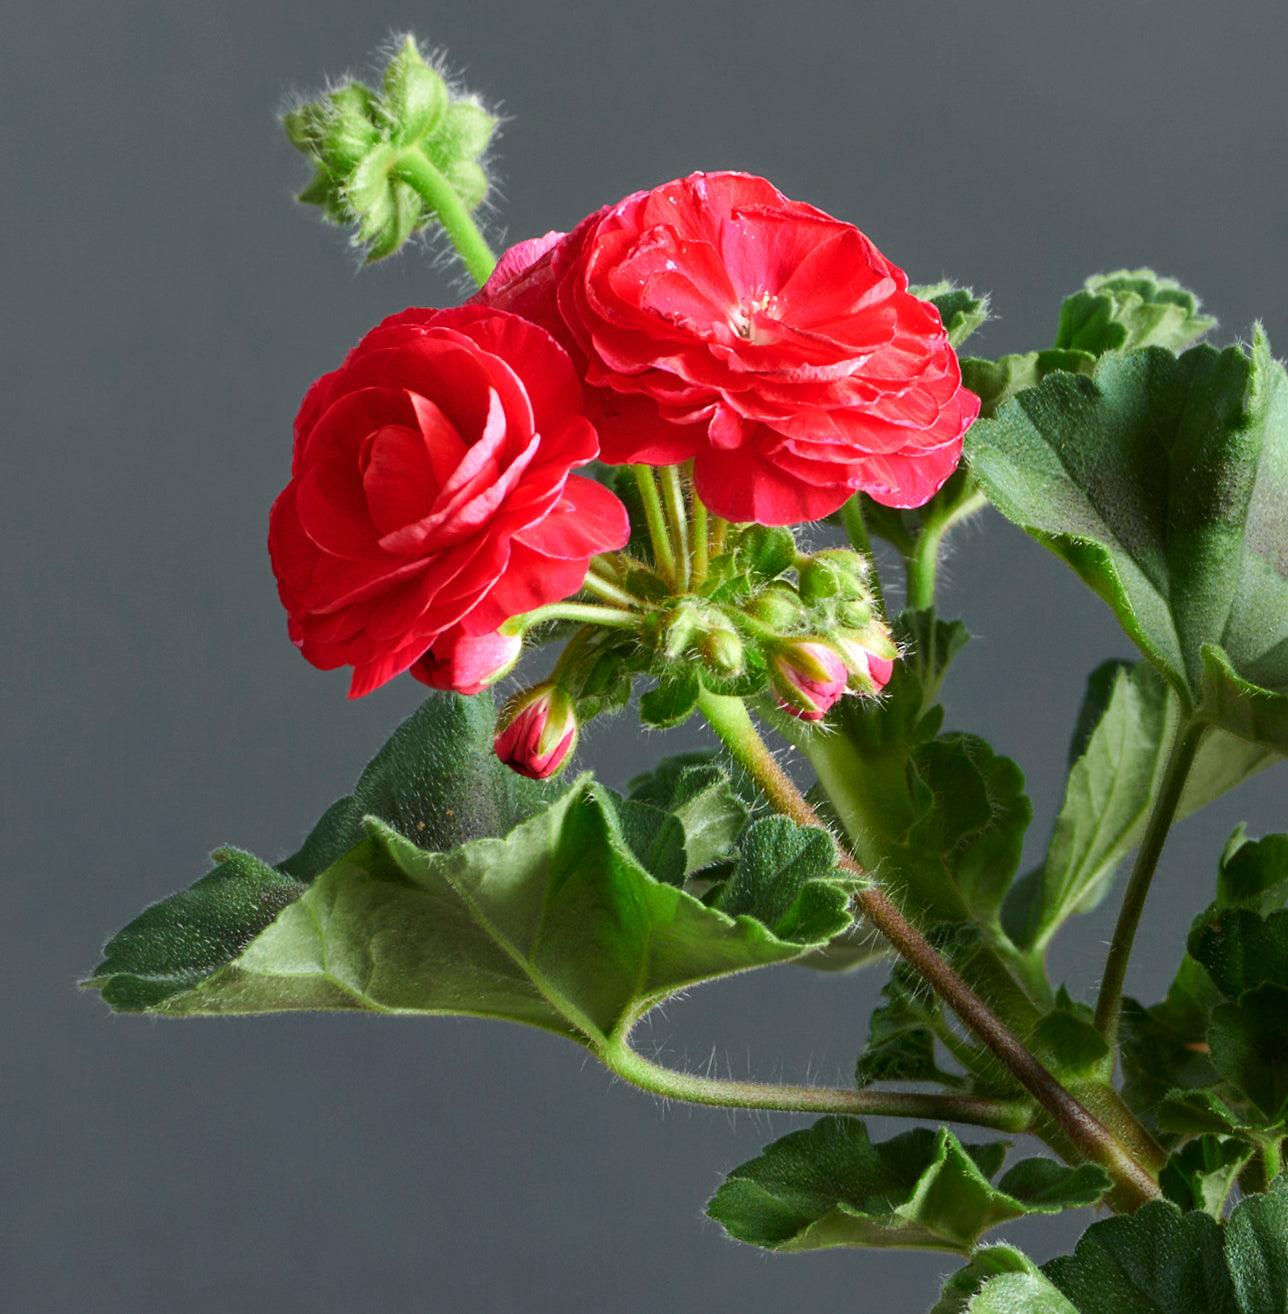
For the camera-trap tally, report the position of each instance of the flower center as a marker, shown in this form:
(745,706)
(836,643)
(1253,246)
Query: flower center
(743,319)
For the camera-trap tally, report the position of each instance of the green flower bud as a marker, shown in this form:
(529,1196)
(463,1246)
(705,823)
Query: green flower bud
(722,650)
(392,162)
(835,573)
(779,606)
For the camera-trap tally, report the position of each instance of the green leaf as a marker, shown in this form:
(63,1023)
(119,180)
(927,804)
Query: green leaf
(1241,949)
(786,878)
(1128,309)
(1203,1173)
(830,1185)
(995,382)
(436,781)
(1254,874)
(556,925)
(1249,1041)
(694,826)
(1126,726)
(902,1033)
(1160,481)
(1000,1280)
(1069,1043)
(961,311)
(1256,1252)
(962,851)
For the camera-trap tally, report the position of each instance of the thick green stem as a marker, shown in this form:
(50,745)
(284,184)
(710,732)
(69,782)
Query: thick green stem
(416,169)
(677,515)
(856,530)
(1091,1138)
(923,560)
(587,613)
(1006,1115)
(655,518)
(1162,813)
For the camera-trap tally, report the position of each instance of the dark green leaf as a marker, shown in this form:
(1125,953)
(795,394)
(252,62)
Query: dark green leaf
(995,382)
(436,781)
(1241,950)
(672,700)
(1069,1043)
(1254,874)
(786,878)
(1256,1252)
(902,1033)
(1160,481)
(555,925)
(1203,1172)
(1249,1041)
(829,1185)
(1000,1280)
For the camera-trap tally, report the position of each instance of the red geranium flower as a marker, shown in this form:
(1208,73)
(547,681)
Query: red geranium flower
(431,497)
(775,345)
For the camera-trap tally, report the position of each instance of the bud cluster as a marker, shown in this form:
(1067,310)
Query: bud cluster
(764,619)
(392,161)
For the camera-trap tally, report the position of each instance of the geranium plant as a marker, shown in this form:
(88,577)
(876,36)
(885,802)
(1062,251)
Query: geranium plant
(628,445)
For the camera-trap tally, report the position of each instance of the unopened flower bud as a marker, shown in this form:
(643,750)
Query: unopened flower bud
(779,606)
(834,573)
(539,732)
(468,663)
(384,157)
(808,677)
(723,651)
(869,655)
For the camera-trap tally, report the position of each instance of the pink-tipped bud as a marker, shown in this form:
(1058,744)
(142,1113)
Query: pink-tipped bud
(468,663)
(870,655)
(808,678)
(538,732)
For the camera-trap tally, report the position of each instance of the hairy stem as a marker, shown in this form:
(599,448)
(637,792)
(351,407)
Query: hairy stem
(604,588)
(1007,1115)
(730,720)
(1272,1159)
(588,613)
(677,516)
(856,530)
(719,531)
(415,168)
(923,560)
(655,518)
(1162,813)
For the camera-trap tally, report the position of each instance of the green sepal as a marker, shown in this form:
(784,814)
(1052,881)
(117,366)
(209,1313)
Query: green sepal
(764,551)
(830,1185)
(672,700)
(1160,481)
(960,310)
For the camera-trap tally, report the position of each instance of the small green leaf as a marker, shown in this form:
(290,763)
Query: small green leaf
(556,925)
(829,1185)
(1160,481)
(1241,949)
(1069,1043)
(1129,309)
(902,1033)
(995,382)
(1254,874)
(786,877)
(1203,1173)
(961,311)
(1000,1280)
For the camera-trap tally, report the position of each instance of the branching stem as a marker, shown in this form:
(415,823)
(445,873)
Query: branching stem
(630,1064)
(731,721)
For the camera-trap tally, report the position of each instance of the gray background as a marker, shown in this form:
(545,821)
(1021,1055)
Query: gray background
(167,304)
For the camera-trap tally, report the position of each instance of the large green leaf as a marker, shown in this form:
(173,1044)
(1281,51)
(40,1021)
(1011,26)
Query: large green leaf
(1129,719)
(436,781)
(1162,480)
(830,1185)
(1155,1261)
(557,924)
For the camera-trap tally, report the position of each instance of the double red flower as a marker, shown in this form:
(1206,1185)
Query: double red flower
(432,495)
(717,320)
(431,498)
